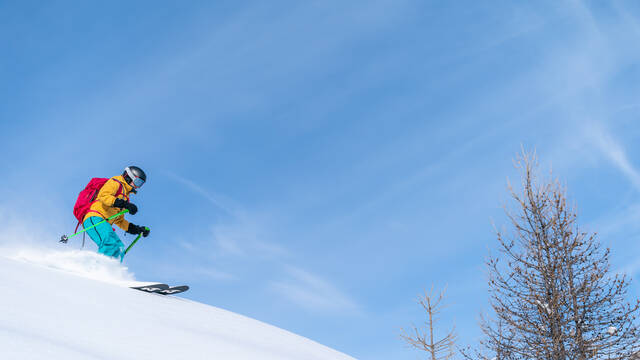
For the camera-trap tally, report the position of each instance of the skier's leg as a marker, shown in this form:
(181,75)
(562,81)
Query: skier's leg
(107,240)
(93,232)
(112,246)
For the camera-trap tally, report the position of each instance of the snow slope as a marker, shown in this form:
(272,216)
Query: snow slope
(73,305)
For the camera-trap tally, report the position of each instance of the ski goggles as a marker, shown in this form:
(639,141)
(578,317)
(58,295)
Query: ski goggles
(137,181)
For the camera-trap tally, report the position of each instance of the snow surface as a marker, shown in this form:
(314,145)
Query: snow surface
(76,305)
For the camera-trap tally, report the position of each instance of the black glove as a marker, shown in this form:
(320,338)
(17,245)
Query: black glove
(136,229)
(120,203)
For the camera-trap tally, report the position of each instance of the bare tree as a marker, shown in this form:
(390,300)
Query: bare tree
(437,349)
(551,288)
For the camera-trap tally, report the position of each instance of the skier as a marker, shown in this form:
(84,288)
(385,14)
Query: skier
(110,200)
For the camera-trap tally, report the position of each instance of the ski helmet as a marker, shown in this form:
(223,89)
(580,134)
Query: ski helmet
(134,176)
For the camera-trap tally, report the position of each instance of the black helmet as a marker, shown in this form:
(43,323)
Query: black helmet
(134,176)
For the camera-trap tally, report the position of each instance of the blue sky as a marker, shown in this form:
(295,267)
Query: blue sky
(317,165)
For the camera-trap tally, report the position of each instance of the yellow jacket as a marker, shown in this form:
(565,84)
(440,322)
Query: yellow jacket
(103,205)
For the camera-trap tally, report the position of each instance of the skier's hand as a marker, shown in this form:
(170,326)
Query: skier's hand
(133,209)
(136,229)
(120,203)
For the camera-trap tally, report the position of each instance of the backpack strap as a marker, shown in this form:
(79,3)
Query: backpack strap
(120,189)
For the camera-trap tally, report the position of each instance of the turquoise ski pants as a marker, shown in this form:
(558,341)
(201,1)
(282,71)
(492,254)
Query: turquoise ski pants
(103,235)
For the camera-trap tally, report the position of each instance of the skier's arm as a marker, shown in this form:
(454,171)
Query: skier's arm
(122,223)
(107,195)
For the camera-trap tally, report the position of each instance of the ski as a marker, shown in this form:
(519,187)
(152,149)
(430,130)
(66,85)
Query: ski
(151,288)
(162,289)
(173,290)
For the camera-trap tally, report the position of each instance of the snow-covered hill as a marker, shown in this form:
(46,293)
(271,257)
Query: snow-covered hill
(75,305)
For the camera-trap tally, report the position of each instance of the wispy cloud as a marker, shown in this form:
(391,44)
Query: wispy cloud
(213,199)
(613,151)
(243,234)
(627,219)
(312,292)
(213,273)
(246,237)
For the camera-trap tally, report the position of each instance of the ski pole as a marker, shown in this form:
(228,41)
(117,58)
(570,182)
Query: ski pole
(134,241)
(66,238)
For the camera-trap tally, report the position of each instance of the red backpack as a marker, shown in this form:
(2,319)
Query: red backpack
(87,197)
